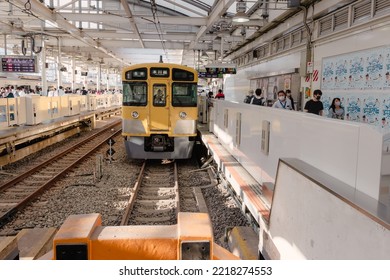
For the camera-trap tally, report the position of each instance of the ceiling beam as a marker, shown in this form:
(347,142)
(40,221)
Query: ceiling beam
(138,19)
(65,5)
(132,22)
(42,12)
(221,8)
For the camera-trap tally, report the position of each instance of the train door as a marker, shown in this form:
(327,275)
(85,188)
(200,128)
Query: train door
(159,111)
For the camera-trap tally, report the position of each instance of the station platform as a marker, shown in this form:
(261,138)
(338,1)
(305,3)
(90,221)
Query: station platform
(17,142)
(255,198)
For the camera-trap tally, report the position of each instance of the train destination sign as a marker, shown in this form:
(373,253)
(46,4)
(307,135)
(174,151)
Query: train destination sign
(18,64)
(221,68)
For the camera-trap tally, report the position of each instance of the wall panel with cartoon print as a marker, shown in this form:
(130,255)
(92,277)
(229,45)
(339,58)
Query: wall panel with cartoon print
(361,80)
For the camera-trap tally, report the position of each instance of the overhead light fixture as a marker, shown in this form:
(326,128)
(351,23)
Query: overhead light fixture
(89,57)
(102,61)
(240,15)
(204,55)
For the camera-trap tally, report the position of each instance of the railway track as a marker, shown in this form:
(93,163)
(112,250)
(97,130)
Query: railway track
(23,188)
(155,198)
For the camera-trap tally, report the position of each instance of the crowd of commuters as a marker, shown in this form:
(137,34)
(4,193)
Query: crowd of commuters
(285,101)
(18,91)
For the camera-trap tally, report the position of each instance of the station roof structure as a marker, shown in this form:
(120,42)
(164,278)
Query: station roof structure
(124,32)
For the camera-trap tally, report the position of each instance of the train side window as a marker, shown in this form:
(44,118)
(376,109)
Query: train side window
(159,95)
(135,94)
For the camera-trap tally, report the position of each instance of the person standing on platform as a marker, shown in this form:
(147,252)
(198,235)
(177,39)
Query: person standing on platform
(315,106)
(249,97)
(336,111)
(61,91)
(220,95)
(257,98)
(282,102)
(289,96)
(210,96)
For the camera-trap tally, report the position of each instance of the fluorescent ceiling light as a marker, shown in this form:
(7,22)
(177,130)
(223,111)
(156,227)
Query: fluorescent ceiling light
(240,17)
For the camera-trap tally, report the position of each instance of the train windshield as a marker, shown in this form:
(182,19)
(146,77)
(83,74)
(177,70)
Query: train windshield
(135,94)
(184,94)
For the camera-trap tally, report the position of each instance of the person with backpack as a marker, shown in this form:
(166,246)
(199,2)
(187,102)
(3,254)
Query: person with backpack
(249,97)
(257,98)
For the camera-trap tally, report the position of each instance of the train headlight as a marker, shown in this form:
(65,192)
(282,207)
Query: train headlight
(183,115)
(135,114)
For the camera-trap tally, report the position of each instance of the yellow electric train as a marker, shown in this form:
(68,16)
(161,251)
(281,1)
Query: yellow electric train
(159,110)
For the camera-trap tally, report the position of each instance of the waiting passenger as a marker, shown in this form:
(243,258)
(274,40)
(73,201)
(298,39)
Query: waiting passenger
(314,105)
(249,97)
(336,111)
(60,91)
(20,92)
(289,96)
(10,95)
(282,102)
(220,95)
(257,98)
(210,96)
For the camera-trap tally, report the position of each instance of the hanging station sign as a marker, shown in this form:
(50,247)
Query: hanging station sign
(18,64)
(217,70)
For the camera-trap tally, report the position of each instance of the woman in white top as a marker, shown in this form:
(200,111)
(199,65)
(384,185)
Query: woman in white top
(282,102)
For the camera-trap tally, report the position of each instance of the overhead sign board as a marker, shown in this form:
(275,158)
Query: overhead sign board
(221,68)
(18,64)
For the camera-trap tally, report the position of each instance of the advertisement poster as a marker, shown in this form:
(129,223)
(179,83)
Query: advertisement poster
(367,69)
(307,92)
(362,82)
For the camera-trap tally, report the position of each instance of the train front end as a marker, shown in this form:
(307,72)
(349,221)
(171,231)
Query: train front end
(159,111)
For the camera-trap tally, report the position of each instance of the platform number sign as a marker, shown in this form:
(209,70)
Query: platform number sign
(110,152)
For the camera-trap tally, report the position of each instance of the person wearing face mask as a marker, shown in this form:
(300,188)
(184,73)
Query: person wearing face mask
(336,111)
(282,102)
(315,106)
(289,96)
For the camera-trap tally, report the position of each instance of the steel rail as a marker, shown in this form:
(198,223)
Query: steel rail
(7,213)
(139,185)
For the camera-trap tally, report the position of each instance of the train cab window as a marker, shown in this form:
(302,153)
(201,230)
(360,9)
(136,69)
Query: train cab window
(159,95)
(135,94)
(184,94)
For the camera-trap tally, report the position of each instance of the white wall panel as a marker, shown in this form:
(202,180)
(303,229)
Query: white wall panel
(308,222)
(348,151)
(369,161)
(331,146)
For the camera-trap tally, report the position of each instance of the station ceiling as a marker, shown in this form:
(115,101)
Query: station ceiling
(124,32)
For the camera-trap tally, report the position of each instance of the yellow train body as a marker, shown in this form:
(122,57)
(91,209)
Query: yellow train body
(159,110)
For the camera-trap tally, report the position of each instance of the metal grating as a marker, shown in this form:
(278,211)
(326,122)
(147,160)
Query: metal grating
(303,36)
(381,5)
(273,47)
(286,42)
(362,10)
(296,38)
(341,20)
(325,25)
(261,52)
(279,45)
